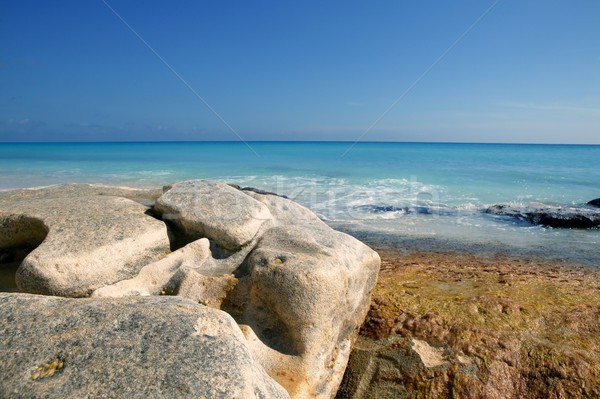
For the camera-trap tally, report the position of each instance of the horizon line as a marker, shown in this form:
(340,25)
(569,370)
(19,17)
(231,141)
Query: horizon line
(291,142)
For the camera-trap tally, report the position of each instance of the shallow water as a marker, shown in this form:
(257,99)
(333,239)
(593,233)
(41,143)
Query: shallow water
(431,193)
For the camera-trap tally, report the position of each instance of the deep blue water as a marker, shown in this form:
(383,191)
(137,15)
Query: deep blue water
(452,181)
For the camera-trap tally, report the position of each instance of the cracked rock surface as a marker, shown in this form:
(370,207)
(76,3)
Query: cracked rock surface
(287,292)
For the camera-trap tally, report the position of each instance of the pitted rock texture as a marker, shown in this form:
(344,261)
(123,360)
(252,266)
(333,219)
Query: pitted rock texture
(81,242)
(153,347)
(298,290)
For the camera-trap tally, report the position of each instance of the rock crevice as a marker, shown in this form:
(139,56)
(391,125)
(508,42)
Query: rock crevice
(297,289)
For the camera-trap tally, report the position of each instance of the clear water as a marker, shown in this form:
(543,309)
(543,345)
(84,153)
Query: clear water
(412,191)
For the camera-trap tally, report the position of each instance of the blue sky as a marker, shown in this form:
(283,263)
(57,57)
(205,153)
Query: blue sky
(528,71)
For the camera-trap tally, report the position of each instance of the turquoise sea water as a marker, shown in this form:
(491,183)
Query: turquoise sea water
(415,192)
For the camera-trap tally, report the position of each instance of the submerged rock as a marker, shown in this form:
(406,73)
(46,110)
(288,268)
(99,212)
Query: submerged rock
(154,347)
(595,202)
(549,215)
(263,192)
(405,210)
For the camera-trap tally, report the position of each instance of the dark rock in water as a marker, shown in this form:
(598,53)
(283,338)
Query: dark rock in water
(595,202)
(423,210)
(404,210)
(383,208)
(549,215)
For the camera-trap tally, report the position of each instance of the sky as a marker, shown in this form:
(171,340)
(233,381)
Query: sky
(460,71)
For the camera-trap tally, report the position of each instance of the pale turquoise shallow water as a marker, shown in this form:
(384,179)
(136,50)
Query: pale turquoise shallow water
(344,184)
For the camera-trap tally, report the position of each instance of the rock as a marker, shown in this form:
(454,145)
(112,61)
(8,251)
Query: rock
(444,325)
(383,209)
(302,302)
(190,272)
(549,215)
(284,210)
(405,210)
(208,290)
(163,347)
(81,242)
(157,277)
(377,368)
(595,202)
(298,289)
(144,196)
(259,191)
(213,210)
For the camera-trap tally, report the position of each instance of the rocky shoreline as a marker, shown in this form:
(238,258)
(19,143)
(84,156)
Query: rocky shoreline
(205,289)
(457,324)
(213,292)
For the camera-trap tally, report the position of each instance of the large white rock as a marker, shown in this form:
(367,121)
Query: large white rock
(85,242)
(286,211)
(157,277)
(146,196)
(306,294)
(298,289)
(190,272)
(153,347)
(217,211)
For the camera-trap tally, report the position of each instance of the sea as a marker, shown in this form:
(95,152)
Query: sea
(413,196)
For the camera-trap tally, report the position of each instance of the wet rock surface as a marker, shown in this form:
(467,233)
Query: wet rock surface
(453,325)
(549,215)
(595,202)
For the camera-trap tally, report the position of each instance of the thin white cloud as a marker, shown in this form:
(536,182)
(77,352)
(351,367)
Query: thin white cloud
(552,107)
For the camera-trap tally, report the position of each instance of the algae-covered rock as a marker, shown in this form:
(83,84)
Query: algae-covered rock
(448,325)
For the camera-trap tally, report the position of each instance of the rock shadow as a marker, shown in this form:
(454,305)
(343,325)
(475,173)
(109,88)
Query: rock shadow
(247,310)
(19,236)
(179,238)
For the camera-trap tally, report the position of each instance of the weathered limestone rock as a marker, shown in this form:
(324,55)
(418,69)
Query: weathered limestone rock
(156,278)
(190,272)
(305,296)
(213,210)
(85,242)
(145,196)
(298,289)
(157,347)
(284,210)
